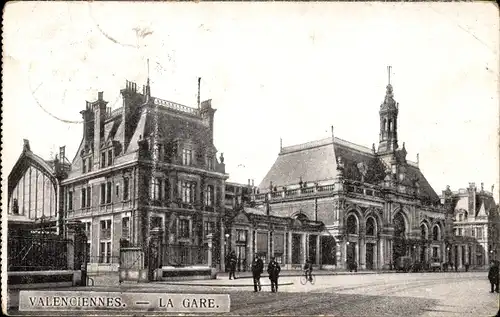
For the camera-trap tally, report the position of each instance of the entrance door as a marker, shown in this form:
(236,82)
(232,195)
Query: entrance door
(369,256)
(351,252)
(241,256)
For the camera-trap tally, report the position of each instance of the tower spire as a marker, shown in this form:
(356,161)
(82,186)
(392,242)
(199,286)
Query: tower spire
(389,75)
(148,88)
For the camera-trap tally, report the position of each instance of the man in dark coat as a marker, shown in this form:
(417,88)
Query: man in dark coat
(232,265)
(273,269)
(257,270)
(493,277)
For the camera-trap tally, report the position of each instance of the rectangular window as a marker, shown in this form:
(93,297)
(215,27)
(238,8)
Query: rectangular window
(479,233)
(110,157)
(210,163)
(125,188)
(84,197)
(117,193)
(108,193)
(103,193)
(89,196)
(155,222)
(187,155)
(155,189)
(241,236)
(184,228)
(125,227)
(166,189)
(209,196)
(87,253)
(105,252)
(103,159)
(84,166)
(90,164)
(105,229)
(188,192)
(70,200)
(209,227)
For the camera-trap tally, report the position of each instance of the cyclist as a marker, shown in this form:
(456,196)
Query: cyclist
(308,267)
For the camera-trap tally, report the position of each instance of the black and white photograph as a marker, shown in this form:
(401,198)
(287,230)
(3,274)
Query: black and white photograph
(250,159)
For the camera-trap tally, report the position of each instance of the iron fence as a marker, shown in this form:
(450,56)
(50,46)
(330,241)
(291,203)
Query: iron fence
(37,253)
(184,255)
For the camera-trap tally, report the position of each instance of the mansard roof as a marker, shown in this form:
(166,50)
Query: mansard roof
(317,161)
(314,161)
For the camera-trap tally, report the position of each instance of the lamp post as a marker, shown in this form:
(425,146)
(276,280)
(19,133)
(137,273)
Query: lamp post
(226,236)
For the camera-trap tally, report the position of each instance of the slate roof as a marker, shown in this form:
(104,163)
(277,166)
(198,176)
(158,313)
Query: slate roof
(317,161)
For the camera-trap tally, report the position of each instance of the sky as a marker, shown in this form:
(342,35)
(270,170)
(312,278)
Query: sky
(272,70)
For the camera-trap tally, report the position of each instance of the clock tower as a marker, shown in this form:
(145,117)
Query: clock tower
(388,137)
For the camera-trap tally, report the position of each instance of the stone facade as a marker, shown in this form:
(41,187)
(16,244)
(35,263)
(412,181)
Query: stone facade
(374,205)
(475,227)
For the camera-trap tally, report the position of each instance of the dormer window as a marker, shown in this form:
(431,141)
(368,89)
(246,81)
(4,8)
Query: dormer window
(210,163)
(187,156)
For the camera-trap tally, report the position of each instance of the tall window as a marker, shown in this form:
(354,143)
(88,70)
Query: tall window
(110,157)
(155,222)
(70,200)
(479,233)
(125,227)
(84,165)
(84,197)
(103,194)
(183,228)
(187,192)
(105,252)
(125,188)
(209,227)
(209,201)
(155,188)
(187,155)
(103,159)
(210,163)
(89,168)
(108,193)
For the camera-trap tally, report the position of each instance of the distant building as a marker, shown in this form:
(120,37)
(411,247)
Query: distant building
(352,204)
(476,218)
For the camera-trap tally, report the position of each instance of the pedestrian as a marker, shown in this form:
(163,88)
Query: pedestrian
(493,277)
(273,269)
(466,266)
(257,270)
(232,265)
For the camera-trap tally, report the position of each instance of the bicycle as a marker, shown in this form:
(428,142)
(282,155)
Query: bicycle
(305,278)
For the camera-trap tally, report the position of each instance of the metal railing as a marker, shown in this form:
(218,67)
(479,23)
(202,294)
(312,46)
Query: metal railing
(183,255)
(37,253)
(176,106)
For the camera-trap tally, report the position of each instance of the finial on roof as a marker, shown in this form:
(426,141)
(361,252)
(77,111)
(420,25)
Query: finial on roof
(333,135)
(482,187)
(492,187)
(281,144)
(389,75)
(403,146)
(373,148)
(418,158)
(26,145)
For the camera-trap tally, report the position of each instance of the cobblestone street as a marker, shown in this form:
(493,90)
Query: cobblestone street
(427,294)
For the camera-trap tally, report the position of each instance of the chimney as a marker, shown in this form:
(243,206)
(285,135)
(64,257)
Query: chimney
(253,183)
(199,85)
(99,109)
(249,182)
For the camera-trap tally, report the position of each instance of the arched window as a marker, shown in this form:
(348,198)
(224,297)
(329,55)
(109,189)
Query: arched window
(390,125)
(384,127)
(352,225)
(370,227)
(399,225)
(435,233)
(423,232)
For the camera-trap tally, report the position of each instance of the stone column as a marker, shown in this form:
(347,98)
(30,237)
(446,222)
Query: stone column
(269,255)
(209,251)
(250,247)
(289,248)
(466,254)
(381,251)
(357,253)
(222,246)
(362,253)
(375,257)
(318,251)
(303,247)
(339,248)
(459,257)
